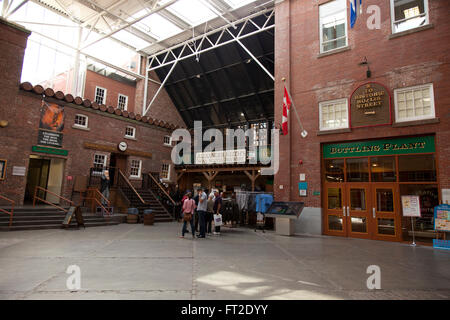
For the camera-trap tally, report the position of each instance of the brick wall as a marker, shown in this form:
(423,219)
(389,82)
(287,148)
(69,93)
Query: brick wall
(22,110)
(413,59)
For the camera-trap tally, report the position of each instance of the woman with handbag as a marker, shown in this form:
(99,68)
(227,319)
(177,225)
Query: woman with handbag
(188,211)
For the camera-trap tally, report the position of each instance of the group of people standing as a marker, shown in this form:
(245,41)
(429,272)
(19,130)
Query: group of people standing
(199,212)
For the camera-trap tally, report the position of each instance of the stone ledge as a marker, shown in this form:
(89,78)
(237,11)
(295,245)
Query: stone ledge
(415,123)
(325,132)
(335,51)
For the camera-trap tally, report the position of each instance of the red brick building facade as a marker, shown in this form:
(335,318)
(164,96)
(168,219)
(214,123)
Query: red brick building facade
(397,60)
(90,138)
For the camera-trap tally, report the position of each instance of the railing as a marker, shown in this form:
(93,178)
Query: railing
(50,203)
(127,188)
(152,183)
(11,213)
(93,194)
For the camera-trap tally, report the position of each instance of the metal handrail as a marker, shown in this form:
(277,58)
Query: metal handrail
(49,203)
(131,186)
(11,213)
(162,189)
(99,203)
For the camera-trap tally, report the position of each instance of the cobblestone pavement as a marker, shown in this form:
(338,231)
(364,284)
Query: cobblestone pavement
(151,262)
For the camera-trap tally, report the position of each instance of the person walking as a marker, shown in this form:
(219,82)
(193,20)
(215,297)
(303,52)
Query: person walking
(210,214)
(196,213)
(216,209)
(188,211)
(201,209)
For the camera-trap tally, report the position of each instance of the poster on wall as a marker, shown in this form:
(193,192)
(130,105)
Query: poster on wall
(2,169)
(411,206)
(442,218)
(51,124)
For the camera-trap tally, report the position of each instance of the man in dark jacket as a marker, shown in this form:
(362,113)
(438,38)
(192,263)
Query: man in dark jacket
(104,188)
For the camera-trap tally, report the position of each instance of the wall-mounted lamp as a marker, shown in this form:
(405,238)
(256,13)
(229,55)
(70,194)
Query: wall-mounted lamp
(366,63)
(3,123)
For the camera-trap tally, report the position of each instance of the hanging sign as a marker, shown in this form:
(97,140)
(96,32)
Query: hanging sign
(411,206)
(51,124)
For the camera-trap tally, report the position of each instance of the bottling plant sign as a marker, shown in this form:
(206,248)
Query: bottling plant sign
(411,206)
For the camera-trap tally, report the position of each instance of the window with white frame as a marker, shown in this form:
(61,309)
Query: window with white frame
(165,171)
(333,25)
(414,103)
(135,169)
(167,140)
(81,121)
(99,163)
(408,14)
(122,102)
(333,114)
(130,132)
(100,95)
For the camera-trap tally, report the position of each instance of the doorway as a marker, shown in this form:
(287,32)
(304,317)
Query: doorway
(117,162)
(47,173)
(367,211)
(38,172)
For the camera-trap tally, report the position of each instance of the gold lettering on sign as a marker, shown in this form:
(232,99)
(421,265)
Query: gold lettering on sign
(369,98)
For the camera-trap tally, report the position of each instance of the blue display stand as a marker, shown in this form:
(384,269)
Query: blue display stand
(442,224)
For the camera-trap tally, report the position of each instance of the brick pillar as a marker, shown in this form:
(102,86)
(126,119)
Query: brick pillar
(13,41)
(282,70)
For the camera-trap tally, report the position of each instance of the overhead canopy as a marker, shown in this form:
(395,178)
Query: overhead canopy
(225,87)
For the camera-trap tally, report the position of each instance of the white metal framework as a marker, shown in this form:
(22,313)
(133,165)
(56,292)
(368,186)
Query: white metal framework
(194,47)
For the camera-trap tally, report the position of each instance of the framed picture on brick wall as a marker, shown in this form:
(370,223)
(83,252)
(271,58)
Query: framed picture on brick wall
(2,169)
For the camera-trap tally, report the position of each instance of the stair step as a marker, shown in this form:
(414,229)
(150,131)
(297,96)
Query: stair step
(45,227)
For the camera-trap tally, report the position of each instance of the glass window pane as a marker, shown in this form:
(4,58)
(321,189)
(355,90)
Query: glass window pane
(409,14)
(386,226)
(383,169)
(385,200)
(429,198)
(334,198)
(417,168)
(359,224)
(332,24)
(358,170)
(357,199)
(334,170)
(335,223)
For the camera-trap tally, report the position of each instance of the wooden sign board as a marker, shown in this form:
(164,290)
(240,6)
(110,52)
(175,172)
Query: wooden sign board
(370,105)
(73,211)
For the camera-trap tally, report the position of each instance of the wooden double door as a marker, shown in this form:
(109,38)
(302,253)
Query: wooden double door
(363,210)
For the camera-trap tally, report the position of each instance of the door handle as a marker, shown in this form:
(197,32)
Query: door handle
(373,213)
(348,211)
(343,211)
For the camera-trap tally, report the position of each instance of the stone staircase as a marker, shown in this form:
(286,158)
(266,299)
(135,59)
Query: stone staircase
(151,202)
(47,217)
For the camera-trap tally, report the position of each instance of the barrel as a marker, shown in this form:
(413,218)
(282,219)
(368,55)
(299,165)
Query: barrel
(133,215)
(149,217)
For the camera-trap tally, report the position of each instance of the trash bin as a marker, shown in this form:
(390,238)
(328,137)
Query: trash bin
(149,217)
(133,215)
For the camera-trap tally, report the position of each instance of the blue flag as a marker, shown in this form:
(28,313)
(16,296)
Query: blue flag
(355,9)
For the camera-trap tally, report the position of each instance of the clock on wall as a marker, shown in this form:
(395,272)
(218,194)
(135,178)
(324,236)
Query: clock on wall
(123,146)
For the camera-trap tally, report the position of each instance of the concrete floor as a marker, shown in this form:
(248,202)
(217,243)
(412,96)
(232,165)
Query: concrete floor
(151,262)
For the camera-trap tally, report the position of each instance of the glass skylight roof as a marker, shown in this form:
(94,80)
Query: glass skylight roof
(194,12)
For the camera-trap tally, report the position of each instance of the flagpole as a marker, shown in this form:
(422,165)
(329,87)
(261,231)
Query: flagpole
(295,109)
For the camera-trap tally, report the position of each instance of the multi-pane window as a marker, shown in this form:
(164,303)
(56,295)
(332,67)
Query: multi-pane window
(135,170)
(122,103)
(100,95)
(165,170)
(99,163)
(167,140)
(81,121)
(130,132)
(408,14)
(414,103)
(333,25)
(333,114)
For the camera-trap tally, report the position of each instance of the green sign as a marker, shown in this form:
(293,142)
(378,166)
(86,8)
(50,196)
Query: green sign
(385,147)
(59,152)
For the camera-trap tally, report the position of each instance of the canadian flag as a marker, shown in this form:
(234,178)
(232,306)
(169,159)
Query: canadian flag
(286,107)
